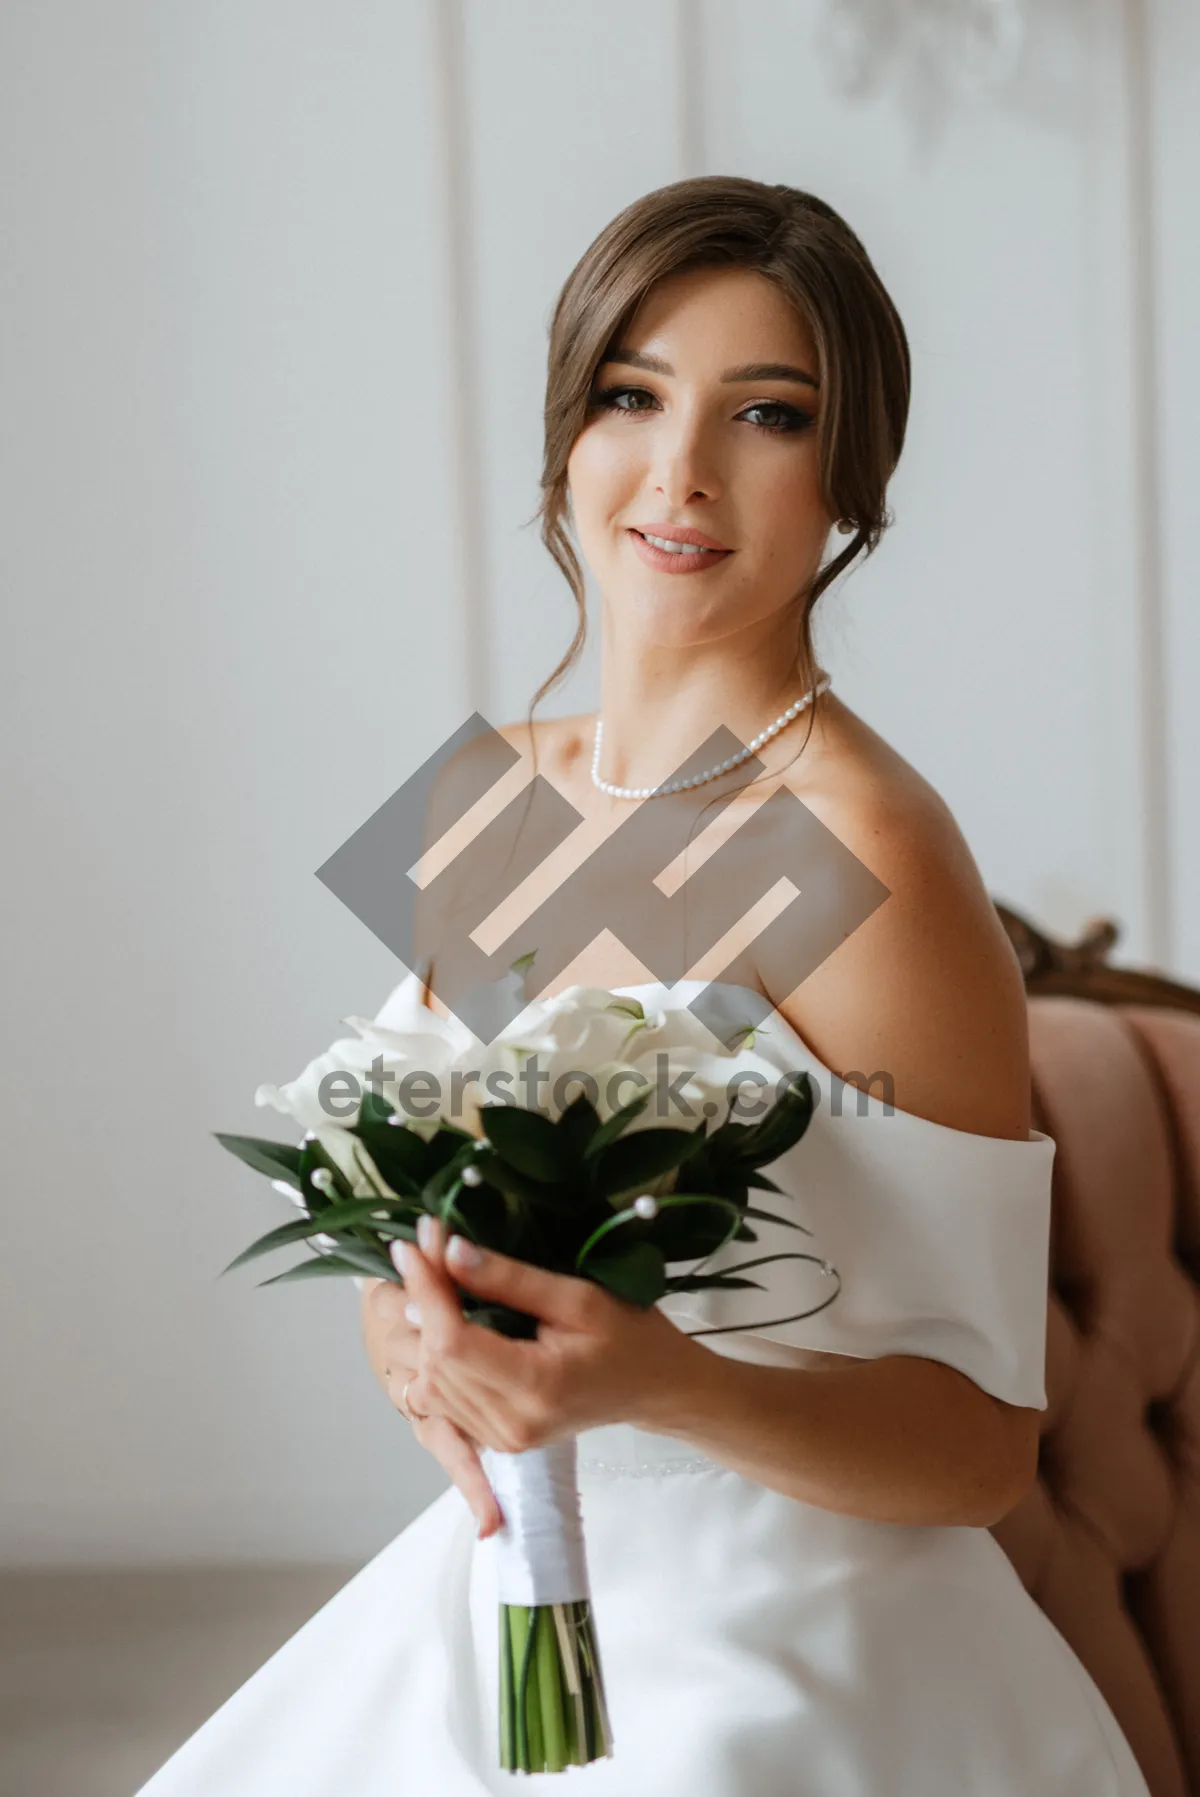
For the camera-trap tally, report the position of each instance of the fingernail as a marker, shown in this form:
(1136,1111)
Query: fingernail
(464,1253)
(399,1254)
(413,1313)
(427,1232)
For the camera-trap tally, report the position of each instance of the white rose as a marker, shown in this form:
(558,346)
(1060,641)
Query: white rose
(582,1031)
(432,1049)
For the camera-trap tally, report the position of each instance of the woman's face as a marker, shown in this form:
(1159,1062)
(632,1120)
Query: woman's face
(704,418)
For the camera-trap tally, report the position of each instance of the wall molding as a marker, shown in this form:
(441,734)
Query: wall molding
(468,550)
(688,24)
(1146,488)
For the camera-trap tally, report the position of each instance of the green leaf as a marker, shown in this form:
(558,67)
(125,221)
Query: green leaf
(275,1238)
(690,1224)
(636,1160)
(703,1282)
(612,1127)
(577,1125)
(486,1215)
(766,1216)
(761,1182)
(326,1266)
(783,1125)
(364,1258)
(313,1157)
(444,1180)
(278,1160)
(375,1108)
(636,1273)
(506,1179)
(403,1157)
(527,1140)
(336,1216)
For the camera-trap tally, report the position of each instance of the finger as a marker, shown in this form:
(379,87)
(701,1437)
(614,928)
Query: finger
(433,1291)
(459,1456)
(393,1334)
(474,1363)
(395,1377)
(561,1298)
(463,1408)
(430,1238)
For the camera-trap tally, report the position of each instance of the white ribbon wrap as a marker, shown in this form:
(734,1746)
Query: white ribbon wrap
(539,1550)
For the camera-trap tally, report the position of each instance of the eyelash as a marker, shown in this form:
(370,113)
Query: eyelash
(798,421)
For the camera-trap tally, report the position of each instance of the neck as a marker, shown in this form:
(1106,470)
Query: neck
(660,702)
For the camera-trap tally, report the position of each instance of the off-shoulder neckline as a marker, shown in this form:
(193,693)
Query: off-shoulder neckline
(777,1019)
(1035,1139)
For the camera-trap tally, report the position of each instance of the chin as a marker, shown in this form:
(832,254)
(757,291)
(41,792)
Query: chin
(675,623)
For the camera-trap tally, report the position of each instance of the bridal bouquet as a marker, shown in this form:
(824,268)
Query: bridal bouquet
(572,1174)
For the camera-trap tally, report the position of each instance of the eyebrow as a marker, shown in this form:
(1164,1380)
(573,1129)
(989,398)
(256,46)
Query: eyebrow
(749,371)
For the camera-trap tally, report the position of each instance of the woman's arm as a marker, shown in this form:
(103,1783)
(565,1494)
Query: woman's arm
(898,1439)
(927,992)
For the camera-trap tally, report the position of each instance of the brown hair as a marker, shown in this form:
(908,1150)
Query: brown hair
(802,244)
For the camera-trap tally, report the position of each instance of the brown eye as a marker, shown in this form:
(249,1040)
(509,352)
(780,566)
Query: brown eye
(791,418)
(608,398)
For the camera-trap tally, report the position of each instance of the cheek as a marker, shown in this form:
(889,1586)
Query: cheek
(601,470)
(788,512)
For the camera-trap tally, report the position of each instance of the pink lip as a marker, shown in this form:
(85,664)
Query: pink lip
(665,562)
(682,533)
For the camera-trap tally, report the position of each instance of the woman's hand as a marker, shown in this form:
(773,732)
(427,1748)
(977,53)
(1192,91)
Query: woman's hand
(597,1358)
(393,1350)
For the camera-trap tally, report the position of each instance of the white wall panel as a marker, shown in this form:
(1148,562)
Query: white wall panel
(967,639)
(232,623)
(572,113)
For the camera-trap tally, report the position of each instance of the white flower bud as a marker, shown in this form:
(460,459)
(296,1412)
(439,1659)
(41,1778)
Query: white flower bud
(646,1207)
(471,1176)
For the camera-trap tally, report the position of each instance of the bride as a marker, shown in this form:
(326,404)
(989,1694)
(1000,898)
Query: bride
(787,1525)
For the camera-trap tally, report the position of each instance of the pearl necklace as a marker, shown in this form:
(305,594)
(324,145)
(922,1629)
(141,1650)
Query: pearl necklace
(722,767)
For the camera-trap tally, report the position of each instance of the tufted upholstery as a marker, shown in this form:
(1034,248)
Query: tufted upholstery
(1108,1540)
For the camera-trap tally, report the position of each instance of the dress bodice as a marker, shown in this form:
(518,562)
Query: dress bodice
(940,1236)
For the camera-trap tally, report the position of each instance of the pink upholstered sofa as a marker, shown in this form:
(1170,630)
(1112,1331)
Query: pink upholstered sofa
(1108,1540)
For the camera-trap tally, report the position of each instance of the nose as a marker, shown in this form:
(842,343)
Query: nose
(684,465)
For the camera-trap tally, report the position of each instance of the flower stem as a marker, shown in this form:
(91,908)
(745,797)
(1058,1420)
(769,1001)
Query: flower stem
(549,1691)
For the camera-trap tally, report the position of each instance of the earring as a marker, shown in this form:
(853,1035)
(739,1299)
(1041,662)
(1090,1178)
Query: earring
(846,526)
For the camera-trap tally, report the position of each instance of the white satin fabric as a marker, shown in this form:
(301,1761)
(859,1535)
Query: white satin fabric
(751,1645)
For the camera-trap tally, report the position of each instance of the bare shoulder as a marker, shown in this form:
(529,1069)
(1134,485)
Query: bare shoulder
(927,991)
(482,764)
(560,746)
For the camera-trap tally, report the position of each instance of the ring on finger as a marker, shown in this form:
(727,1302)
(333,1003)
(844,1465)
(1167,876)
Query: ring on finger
(414,1416)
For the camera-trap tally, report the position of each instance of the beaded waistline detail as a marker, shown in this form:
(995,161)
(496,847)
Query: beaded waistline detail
(622,1450)
(647,1469)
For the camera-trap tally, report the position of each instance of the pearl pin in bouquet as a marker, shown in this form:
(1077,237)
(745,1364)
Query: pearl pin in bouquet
(578,1179)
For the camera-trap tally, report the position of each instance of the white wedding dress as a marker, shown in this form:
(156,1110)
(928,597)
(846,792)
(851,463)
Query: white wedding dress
(751,1645)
